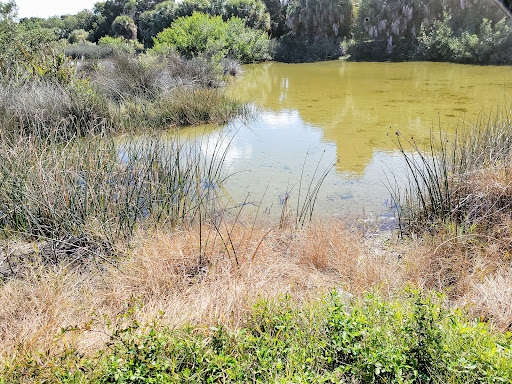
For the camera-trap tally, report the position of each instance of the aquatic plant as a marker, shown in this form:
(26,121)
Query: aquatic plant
(109,186)
(462,178)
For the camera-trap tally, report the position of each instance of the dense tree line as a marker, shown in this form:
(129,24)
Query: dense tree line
(311,29)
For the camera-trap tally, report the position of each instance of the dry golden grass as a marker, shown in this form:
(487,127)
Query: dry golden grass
(162,275)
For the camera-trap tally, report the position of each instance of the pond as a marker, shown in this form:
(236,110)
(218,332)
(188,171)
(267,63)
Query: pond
(311,116)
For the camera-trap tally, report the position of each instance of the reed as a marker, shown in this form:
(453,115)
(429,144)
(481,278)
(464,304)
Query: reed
(61,99)
(108,186)
(462,177)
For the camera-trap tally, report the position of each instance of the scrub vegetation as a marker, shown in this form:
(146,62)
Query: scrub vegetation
(120,262)
(468,31)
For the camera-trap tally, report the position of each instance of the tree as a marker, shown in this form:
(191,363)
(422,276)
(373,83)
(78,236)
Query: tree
(320,18)
(253,12)
(188,7)
(8,32)
(124,26)
(154,21)
(394,19)
(277,10)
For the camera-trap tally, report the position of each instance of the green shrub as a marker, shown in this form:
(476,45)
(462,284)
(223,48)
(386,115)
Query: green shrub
(465,32)
(410,338)
(210,36)
(78,36)
(320,18)
(121,44)
(491,45)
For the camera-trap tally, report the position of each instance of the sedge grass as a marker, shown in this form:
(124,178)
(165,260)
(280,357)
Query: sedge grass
(452,179)
(103,186)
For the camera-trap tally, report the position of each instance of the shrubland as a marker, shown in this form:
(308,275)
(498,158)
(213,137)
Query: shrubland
(469,31)
(120,262)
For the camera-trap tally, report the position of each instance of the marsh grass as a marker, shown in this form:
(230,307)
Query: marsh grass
(462,177)
(47,108)
(268,309)
(109,186)
(61,99)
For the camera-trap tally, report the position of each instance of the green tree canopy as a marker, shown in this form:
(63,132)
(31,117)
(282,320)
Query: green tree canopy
(155,21)
(393,20)
(254,12)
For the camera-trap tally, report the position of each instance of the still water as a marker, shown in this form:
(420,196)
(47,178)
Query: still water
(310,116)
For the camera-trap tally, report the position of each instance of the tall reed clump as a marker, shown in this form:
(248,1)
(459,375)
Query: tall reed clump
(463,178)
(458,198)
(44,107)
(49,95)
(107,187)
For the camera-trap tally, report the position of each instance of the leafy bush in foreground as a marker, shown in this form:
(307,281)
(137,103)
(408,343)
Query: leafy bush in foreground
(409,339)
(210,36)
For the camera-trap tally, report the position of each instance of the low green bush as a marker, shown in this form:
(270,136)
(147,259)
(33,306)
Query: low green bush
(121,44)
(411,338)
(210,36)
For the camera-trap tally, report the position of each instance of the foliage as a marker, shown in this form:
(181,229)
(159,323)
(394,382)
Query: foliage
(320,18)
(410,338)
(253,12)
(121,45)
(78,36)
(210,36)
(433,30)
(123,26)
(188,7)
(316,30)
(277,10)
(155,21)
(491,45)
(292,48)
(62,26)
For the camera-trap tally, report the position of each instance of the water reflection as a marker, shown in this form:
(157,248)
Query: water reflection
(357,104)
(312,115)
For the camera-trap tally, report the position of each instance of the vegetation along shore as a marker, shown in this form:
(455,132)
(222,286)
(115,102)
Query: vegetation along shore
(120,263)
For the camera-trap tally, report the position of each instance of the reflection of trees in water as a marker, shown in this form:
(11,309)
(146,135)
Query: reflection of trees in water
(357,104)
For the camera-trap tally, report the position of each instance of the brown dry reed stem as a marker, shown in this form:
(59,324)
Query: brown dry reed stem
(161,276)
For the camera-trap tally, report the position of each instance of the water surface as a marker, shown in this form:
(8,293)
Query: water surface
(346,113)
